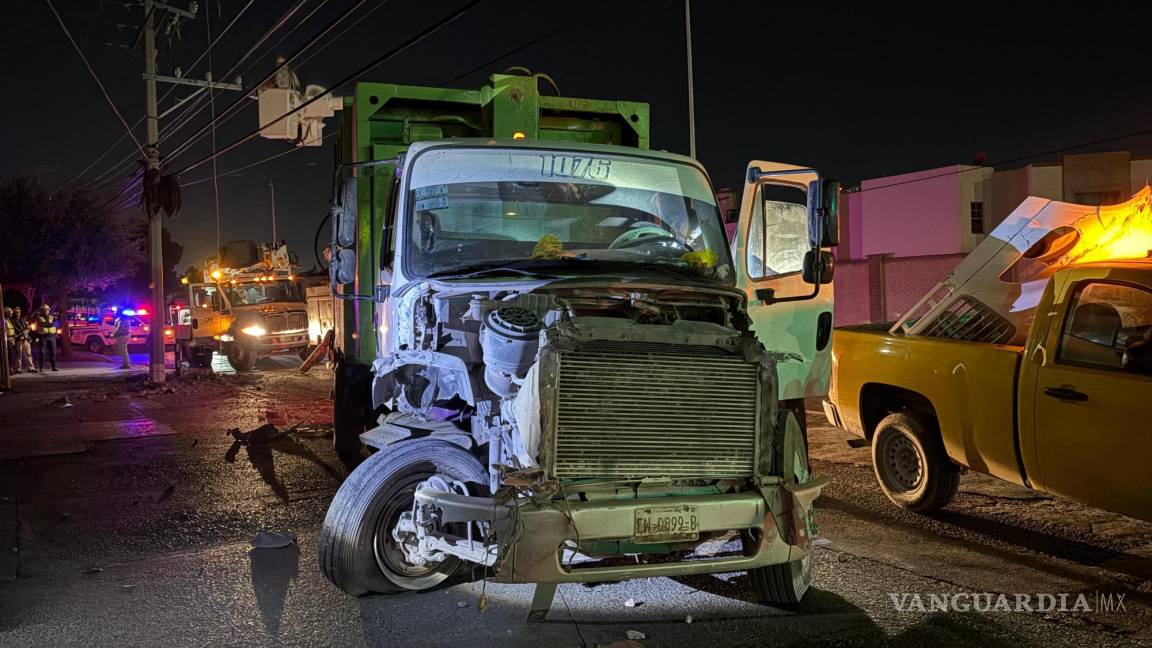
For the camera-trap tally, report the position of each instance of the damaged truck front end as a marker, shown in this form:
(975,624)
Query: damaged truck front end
(568,387)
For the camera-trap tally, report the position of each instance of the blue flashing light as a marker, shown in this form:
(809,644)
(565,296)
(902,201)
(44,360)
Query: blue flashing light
(93,318)
(129,312)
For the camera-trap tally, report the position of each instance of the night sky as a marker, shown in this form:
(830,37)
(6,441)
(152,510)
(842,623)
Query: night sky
(857,93)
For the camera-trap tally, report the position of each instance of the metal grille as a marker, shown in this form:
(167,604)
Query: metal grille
(283,322)
(641,413)
(970,320)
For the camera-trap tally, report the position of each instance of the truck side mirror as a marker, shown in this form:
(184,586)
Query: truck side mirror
(824,213)
(819,266)
(343,267)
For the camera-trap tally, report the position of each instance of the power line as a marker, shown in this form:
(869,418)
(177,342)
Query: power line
(258,162)
(191,111)
(186,115)
(236,105)
(1022,158)
(342,32)
(648,16)
(94,76)
(450,18)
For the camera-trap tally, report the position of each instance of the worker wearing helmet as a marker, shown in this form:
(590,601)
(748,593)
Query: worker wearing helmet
(44,330)
(23,344)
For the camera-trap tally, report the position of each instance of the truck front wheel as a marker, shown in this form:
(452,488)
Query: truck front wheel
(786,583)
(94,344)
(241,357)
(911,464)
(357,549)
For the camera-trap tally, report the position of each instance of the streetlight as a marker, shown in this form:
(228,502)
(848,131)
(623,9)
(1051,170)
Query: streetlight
(271,189)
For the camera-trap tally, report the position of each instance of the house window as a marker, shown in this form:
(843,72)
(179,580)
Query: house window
(976,215)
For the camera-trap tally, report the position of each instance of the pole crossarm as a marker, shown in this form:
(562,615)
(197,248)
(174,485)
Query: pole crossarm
(203,83)
(176,10)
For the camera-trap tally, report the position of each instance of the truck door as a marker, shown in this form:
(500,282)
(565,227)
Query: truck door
(773,235)
(207,305)
(1091,396)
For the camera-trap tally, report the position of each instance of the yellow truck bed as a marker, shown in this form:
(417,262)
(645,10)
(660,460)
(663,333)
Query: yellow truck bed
(969,387)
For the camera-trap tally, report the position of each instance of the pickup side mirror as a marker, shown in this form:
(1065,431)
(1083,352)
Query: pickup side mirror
(819,267)
(824,213)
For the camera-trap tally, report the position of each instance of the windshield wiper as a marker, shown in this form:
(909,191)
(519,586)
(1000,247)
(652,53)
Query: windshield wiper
(513,266)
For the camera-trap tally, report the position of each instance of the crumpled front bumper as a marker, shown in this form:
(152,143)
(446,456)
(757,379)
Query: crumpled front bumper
(541,530)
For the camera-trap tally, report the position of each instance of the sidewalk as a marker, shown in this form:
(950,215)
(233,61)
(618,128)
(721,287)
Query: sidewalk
(87,364)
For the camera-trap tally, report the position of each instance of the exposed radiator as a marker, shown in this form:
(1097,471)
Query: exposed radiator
(648,411)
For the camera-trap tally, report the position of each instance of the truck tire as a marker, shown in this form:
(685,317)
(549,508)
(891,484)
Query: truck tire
(356,550)
(783,584)
(94,344)
(786,583)
(241,357)
(911,465)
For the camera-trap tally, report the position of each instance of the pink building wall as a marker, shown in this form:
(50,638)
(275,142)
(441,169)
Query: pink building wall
(913,214)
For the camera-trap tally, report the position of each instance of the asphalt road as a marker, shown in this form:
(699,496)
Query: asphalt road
(122,523)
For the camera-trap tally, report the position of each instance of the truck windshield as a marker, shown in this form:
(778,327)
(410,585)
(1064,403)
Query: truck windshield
(247,294)
(472,208)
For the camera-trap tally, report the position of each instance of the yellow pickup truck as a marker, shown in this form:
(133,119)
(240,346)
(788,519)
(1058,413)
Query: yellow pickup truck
(1067,412)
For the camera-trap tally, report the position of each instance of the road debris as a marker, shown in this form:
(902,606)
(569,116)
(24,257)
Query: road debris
(636,634)
(91,570)
(630,603)
(272,540)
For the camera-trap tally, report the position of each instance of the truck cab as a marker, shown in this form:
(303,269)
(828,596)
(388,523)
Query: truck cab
(563,368)
(245,313)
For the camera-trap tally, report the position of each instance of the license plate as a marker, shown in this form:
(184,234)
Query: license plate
(666,524)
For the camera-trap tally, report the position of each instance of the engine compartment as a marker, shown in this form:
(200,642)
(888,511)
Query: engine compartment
(466,364)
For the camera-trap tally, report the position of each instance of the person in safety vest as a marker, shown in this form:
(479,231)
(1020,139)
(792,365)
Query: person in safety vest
(44,330)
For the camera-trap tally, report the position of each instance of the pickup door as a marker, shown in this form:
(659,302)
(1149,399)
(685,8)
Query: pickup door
(1092,400)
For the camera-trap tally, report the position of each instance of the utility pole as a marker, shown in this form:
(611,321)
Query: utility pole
(153,11)
(691,93)
(155,228)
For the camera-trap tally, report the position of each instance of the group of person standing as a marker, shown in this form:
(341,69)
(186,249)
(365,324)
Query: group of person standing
(40,330)
(22,332)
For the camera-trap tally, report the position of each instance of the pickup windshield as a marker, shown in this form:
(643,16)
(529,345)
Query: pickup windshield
(247,294)
(559,212)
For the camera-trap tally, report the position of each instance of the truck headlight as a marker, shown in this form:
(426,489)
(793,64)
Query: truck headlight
(255,330)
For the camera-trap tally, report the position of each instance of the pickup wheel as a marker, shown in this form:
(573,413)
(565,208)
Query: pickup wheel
(357,551)
(911,465)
